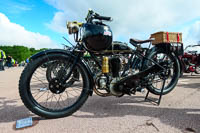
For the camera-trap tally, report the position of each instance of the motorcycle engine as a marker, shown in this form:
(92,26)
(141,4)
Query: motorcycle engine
(102,81)
(107,81)
(115,67)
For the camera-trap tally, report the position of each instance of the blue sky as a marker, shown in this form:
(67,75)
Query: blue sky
(31,14)
(42,23)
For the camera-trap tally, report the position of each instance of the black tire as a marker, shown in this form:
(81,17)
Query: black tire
(197,71)
(43,109)
(50,73)
(169,85)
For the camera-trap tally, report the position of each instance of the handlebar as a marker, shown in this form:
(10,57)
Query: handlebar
(74,27)
(92,15)
(102,18)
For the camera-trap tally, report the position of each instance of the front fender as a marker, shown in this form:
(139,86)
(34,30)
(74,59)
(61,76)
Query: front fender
(62,51)
(50,51)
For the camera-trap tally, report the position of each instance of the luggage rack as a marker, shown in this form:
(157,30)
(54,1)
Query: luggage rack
(171,42)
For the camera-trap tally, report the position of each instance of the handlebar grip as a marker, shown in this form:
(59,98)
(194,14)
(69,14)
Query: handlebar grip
(103,18)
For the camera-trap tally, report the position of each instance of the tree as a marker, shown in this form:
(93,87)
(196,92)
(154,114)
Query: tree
(20,53)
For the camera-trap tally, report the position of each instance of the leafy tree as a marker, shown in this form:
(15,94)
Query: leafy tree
(20,53)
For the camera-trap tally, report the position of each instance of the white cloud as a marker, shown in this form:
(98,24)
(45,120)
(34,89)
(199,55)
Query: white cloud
(22,7)
(191,34)
(16,6)
(195,30)
(14,34)
(58,22)
(132,18)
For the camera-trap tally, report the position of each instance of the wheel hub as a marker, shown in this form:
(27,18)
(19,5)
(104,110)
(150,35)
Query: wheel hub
(165,74)
(55,86)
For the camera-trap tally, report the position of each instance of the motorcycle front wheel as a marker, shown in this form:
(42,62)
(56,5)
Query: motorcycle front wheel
(52,73)
(52,99)
(173,72)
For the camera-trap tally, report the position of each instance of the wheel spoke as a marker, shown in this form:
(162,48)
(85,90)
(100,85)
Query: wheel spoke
(44,88)
(41,95)
(171,74)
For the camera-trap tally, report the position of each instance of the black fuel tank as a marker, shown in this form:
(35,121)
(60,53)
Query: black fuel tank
(118,48)
(96,37)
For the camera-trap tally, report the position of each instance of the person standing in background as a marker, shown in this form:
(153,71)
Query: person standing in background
(27,60)
(9,64)
(2,57)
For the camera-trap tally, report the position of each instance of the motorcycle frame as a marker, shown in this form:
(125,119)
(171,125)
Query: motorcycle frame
(76,55)
(134,54)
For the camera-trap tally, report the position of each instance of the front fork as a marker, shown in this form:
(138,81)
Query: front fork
(71,68)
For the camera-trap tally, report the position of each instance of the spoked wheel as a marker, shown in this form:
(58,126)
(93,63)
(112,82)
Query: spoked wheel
(197,71)
(171,75)
(53,98)
(54,67)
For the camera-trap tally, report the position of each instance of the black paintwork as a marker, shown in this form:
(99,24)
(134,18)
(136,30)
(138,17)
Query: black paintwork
(97,37)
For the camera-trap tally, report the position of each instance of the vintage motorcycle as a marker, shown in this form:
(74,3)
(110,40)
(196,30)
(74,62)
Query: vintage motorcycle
(190,61)
(57,82)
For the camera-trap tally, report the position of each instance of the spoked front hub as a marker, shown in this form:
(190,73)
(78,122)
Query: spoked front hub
(55,86)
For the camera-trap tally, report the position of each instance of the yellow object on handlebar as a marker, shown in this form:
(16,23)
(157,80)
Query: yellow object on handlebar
(73,27)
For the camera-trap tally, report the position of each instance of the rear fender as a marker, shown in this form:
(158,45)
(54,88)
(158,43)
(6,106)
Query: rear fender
(166,47)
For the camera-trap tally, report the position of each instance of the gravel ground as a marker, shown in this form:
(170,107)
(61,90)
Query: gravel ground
(178,112)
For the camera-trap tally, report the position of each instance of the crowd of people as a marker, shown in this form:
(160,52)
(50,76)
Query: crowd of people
(6,60)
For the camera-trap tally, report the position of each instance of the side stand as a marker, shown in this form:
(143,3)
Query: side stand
(160,97)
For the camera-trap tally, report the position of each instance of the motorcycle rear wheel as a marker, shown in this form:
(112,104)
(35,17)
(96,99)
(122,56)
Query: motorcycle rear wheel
(50,99)
(174,72)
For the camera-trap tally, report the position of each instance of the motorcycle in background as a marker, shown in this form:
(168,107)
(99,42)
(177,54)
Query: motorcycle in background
(190,61)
